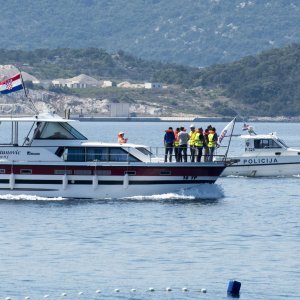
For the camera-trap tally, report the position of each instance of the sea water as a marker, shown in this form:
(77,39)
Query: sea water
(246,229)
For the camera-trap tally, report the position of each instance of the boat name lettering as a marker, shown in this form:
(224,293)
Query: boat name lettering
(191,177)
(10,152)
(251,161)
(32,153)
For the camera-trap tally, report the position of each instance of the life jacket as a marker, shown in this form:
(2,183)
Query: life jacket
(176,141)
(211,140)
(192,138)
(199,139)
(169,136)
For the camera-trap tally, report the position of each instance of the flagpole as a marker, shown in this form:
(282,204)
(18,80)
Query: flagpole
(26,94)
(225,156)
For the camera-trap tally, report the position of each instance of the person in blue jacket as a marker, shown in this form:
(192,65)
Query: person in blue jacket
(169,139)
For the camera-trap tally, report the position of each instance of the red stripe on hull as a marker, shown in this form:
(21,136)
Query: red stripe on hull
(118,170)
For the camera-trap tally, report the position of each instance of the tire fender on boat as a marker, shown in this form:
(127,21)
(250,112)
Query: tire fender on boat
(65,181)
(125,181)
(95,182)
(12,181)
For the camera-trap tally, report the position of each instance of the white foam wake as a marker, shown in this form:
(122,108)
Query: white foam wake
(29,198)
(206,191)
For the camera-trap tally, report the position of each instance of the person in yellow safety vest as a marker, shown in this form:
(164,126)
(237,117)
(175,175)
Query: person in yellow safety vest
(199,143)
(176,144)
(212,143)
(192,136)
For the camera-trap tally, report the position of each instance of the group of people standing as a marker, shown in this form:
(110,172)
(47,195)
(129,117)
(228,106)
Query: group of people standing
(197,140)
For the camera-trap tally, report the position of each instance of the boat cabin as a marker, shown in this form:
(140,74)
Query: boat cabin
(263,142)
(56,139)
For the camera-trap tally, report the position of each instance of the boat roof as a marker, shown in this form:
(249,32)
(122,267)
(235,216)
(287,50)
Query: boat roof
(43,117)
(272,135)
(128,145)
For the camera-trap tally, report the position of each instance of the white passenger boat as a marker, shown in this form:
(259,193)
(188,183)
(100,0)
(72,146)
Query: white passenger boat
(56,160)
(265,155)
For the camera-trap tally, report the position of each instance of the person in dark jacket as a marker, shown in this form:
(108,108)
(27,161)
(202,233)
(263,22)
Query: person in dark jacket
(169,139)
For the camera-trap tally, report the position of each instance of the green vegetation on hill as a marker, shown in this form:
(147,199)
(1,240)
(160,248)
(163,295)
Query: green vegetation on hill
(262,85)
(268,83)
(65,63)
(189,32)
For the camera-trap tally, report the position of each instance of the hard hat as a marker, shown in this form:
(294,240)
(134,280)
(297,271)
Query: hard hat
(192,126)
(121,132)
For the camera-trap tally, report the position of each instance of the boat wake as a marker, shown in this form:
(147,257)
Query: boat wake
(29,198)
(205,192)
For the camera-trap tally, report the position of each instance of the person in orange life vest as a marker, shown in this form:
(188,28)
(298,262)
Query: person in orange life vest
(121,138)
(169,139)
(212,143)
(192,136)
(199,142)
(176,144)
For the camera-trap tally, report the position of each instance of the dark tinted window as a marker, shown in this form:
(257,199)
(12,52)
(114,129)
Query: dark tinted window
(265,144)
(74,154)
(97,154)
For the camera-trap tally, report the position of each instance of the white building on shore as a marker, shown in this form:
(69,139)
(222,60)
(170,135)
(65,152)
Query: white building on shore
(78,82)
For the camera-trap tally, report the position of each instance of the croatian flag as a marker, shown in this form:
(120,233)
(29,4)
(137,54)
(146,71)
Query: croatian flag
(12,84)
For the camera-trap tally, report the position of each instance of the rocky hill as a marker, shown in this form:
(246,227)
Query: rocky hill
(189,32)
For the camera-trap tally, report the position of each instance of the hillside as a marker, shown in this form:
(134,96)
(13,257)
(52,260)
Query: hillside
(262,85)
(57,63)
(197,33)
(266,85)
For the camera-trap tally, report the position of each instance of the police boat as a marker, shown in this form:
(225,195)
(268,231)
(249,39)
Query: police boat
(265,155)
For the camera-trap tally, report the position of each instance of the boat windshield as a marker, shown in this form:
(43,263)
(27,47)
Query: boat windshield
(144,151)
(58,131)
(283,143)
(265,144)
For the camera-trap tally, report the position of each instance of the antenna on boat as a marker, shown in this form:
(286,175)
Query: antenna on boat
(26,94)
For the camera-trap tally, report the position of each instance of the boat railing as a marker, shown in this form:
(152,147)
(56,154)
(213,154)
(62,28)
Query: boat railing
(160,153)
(120,155)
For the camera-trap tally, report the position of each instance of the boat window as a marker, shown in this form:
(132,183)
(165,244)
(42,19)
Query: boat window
(26,171)
(63,172)
(59,131)
(265,144)
(97,154)
(82,172)
(130,173)
(283,143)
(102,172)
(144,150)
(118,154)
(74,154)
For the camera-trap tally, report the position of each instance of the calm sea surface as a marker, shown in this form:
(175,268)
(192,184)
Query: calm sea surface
(246,229)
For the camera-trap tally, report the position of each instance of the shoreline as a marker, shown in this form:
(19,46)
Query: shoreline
(183,119)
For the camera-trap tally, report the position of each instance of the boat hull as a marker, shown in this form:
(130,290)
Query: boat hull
(264,167)
(105,181)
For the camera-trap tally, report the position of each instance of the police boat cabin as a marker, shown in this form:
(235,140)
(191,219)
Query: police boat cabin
(56,160)
(265,155)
